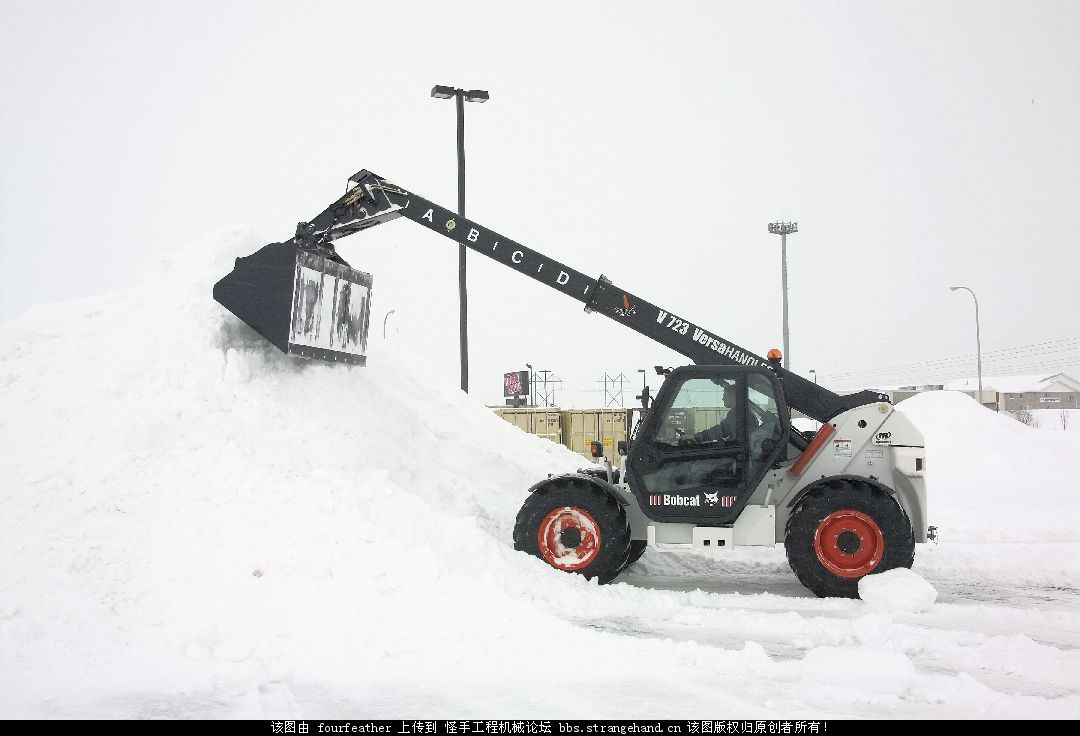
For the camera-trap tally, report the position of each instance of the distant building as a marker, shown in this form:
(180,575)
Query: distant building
(1009,393)
(1057,391)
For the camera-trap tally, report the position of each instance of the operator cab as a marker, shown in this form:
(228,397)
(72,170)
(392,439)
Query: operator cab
(709,438)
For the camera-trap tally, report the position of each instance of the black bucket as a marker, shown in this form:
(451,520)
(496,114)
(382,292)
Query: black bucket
(307,304)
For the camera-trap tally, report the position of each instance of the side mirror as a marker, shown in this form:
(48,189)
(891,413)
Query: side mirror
(622,448)
(597,448)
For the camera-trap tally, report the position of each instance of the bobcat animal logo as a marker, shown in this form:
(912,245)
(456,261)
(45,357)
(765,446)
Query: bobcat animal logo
(712,498)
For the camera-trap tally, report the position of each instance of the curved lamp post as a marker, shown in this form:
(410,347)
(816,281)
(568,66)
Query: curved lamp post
(978,340)
(384,322)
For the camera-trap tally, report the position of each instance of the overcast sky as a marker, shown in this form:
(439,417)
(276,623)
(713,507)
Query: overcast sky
(918,144)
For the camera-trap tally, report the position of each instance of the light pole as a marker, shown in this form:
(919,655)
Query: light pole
(384,322)
(646,396)
(978,339)
(462,96)
(532,385)
(783,229)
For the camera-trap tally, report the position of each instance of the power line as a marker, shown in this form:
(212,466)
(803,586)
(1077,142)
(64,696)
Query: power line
(883,378)
(1003,355)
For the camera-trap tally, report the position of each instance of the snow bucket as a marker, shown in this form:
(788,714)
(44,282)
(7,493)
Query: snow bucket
(307,304)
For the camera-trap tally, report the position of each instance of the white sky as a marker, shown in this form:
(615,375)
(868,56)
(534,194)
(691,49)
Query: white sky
(918,145)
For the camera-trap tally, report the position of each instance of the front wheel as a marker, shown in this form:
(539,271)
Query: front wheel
(576,527)
(844,531)
(634,552)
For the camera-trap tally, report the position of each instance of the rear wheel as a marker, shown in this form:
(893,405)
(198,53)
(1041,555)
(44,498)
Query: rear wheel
(576,527)
(844,531)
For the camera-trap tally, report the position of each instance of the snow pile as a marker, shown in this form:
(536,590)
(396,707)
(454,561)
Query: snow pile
(194,525)
(991,478)
(897,590)
(178,494)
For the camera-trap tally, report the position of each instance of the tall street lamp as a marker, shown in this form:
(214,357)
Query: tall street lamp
(462,96)
(978,340)
(783,229)
(384,322)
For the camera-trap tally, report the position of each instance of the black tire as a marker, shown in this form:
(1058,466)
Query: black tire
(634,552)
(598,547)
(843,531)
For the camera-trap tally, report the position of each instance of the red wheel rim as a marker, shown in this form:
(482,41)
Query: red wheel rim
(849,543)
(553,535)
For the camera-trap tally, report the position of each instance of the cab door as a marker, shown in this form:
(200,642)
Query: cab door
(704,446)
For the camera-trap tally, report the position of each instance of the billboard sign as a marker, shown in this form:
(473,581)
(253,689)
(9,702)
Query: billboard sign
(516,384)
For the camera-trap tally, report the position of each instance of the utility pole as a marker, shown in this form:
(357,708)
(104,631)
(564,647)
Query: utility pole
(783,229)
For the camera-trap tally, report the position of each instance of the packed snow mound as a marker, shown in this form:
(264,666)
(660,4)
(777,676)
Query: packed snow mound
(177,492)
(899,589)
(991,478)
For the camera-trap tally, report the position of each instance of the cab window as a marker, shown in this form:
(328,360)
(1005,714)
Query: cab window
(763,424)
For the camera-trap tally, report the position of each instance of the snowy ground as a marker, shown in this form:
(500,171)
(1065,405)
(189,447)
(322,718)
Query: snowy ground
(193,525)
(1056,420)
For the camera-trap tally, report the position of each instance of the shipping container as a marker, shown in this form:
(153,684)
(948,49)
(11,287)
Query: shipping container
(574,428)
(543,422)
(581,427)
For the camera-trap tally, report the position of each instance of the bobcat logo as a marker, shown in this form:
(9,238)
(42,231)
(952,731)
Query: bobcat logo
(712,498)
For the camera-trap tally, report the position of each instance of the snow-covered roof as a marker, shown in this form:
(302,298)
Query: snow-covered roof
(1018,384)
(1004,384)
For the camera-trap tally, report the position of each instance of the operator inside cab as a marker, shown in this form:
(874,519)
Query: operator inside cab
(717,433)
(727,429)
